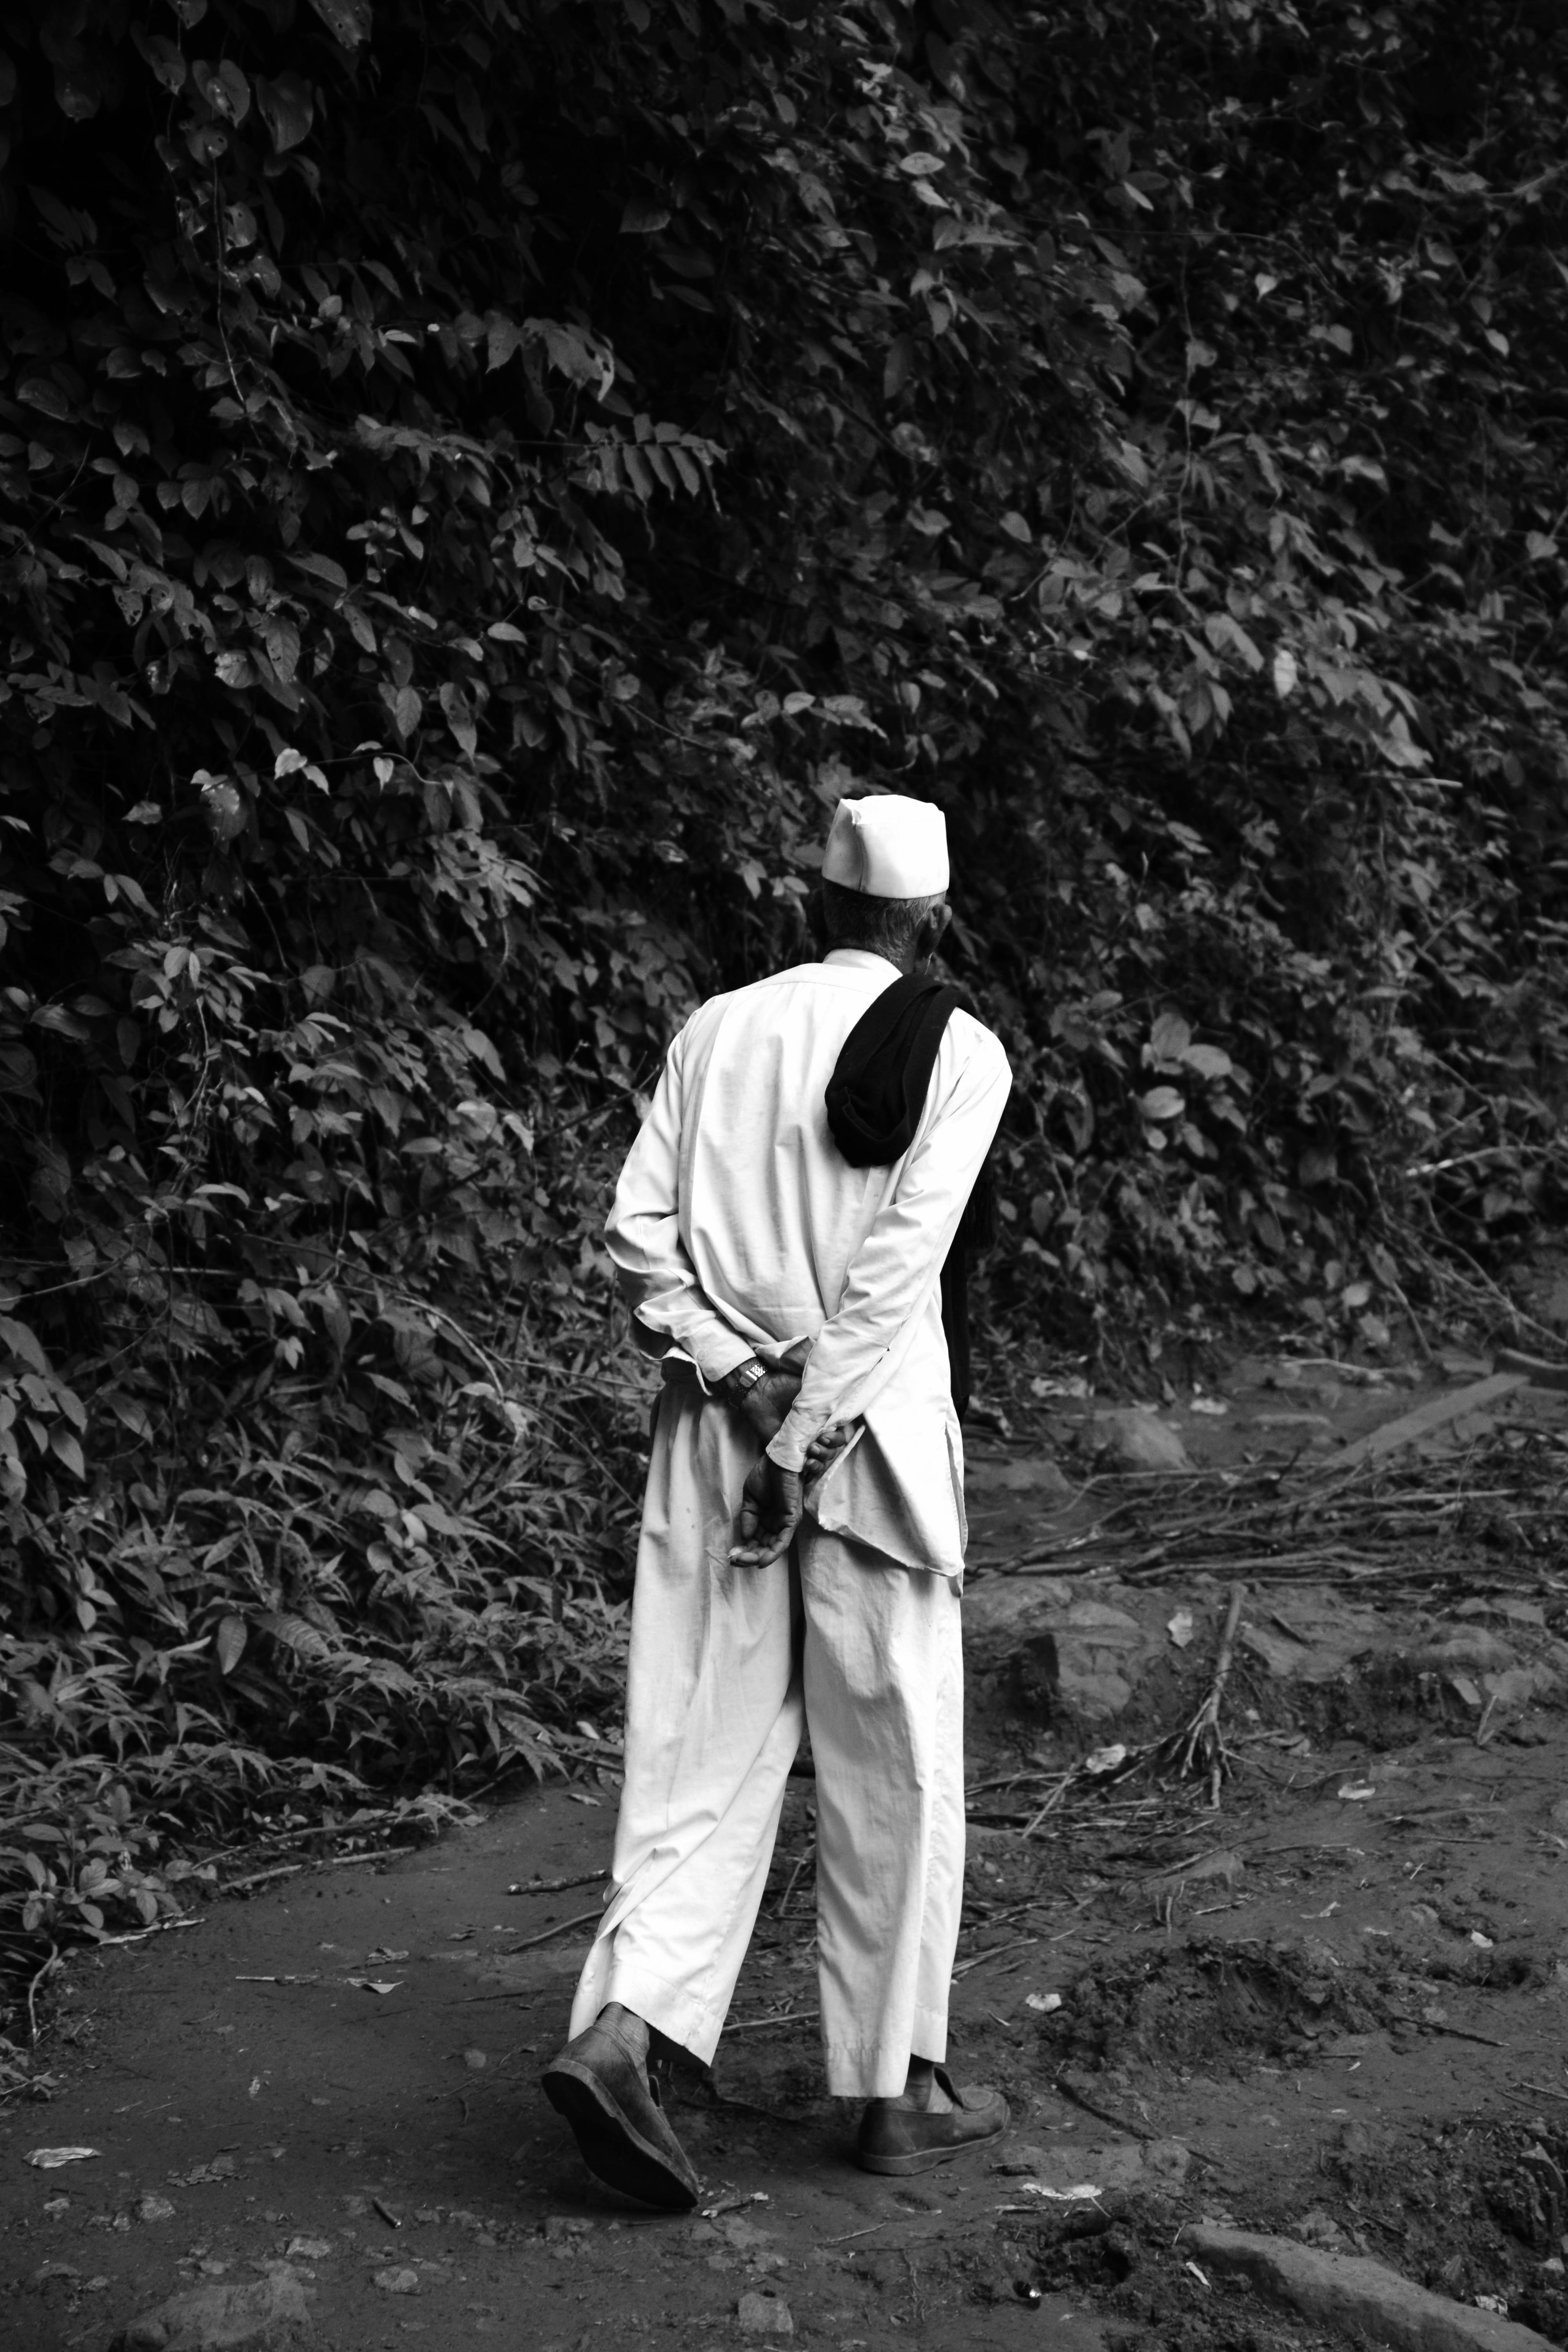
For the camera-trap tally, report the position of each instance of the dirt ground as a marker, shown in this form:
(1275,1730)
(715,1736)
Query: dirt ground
(1333,2008)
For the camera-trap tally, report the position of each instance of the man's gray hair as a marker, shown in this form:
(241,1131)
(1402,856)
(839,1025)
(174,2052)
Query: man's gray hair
(855,918)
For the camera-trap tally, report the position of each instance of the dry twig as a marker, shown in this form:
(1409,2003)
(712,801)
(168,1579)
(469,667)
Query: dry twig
(1201,1746)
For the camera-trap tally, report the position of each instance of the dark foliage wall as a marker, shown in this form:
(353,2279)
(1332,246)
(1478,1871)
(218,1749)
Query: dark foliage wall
(474,486)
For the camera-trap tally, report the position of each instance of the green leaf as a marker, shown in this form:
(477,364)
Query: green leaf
(66,1448)
(224,87)
(644,216)
(348,21)
(24,1345)
(322,567)
(1170,1037)
(229,1642)
(288,108)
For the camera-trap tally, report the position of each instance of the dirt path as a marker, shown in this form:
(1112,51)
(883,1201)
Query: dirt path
(1334,2010)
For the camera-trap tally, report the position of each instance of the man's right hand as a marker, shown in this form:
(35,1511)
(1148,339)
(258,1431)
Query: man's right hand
(771,1503)
(826,1448)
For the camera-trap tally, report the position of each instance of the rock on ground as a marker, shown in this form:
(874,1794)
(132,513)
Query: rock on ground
(212,2319)
(1108,2164)
(1080,1651)
(1348,2292)
(1137,1439)
(1035,1476)
(765,2313)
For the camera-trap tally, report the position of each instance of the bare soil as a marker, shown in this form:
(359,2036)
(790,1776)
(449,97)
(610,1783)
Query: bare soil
(1333,2008)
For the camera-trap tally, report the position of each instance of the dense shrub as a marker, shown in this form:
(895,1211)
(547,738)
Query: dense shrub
(476,487)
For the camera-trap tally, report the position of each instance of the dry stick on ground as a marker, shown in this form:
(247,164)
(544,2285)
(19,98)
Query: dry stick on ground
(560,1928)
(1364,1514)
(1064,2089)
(1052,1802)
(995,1952)
(1202,1744)
(260,1877)
(808,1853)
(754,2024)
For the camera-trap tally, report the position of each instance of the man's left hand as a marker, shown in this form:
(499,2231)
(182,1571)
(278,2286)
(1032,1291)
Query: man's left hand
(762,1403)
(766,1402)
(770,1515)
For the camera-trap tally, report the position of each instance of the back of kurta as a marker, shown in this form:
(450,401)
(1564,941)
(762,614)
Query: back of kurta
(738,1227)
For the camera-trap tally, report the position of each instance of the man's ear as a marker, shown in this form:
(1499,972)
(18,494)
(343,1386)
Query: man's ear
(933,928)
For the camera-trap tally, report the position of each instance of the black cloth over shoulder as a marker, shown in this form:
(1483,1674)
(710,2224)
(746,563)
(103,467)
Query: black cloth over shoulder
(875,1098)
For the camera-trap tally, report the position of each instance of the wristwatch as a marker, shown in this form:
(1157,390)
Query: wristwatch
(738,1383)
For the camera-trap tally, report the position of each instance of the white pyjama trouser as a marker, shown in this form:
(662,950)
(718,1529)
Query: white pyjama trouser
(726,1665)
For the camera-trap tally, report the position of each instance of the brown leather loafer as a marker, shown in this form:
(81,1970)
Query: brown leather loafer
(912,2139)
(608,2095)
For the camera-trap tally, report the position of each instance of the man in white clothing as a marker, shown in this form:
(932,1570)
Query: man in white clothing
(795,1295)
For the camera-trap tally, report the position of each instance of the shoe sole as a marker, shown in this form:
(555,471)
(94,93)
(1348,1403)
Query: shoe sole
(611,2146)
(922,2159)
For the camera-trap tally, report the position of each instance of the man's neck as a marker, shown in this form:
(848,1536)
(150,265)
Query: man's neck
(864,957)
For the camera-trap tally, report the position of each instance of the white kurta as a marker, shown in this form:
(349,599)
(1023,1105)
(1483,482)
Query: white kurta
(739,1228)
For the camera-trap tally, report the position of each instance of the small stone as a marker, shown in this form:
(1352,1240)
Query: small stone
(475,2061)
(1167,2160)
(213,2318)
(1137,1439)
(1106,2163)
(309,2250)
(154,2208)
(765,2313)
(1035,1476)
(744,2235)
(397,2282)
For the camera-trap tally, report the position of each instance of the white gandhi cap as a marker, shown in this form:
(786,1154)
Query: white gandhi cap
(889,846)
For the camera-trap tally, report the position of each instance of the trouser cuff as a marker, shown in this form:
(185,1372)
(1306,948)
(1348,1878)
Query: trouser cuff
(670,2008)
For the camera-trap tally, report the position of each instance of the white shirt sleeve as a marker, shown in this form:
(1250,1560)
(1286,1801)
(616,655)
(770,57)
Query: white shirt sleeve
(900,1261)
(655,1273)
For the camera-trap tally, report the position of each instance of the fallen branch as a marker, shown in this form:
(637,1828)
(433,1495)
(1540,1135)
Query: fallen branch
(995,1952)
(1427,1419)
(1463,2033)
(262,1877)
(1202,1744)
(1064,2089)
(755,2024)
(560,1928)
(558,1885)
(1535,1370)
